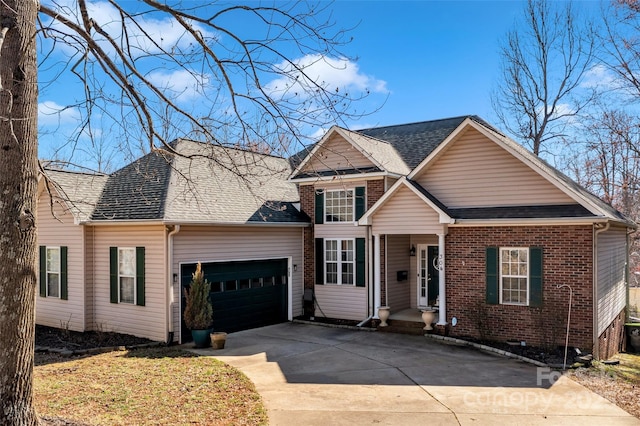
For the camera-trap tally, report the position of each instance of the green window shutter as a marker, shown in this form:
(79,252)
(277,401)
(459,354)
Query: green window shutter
(319,212)
(113,274)
(319,261)
(64,292)
(492,276)
(360,201)
(43,271)
(360,265)
(140,276)
(535,276)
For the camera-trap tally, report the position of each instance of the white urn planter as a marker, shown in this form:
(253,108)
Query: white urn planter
(383,314)
(429,317)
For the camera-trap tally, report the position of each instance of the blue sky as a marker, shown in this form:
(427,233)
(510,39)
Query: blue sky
(438,59)
(427,59)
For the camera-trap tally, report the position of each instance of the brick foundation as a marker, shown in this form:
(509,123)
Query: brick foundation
(567,259)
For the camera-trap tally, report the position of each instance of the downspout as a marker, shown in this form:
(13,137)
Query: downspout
(170,289)
(596,348)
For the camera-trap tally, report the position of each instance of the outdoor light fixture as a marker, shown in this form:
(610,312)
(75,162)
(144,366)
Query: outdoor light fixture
(412,250)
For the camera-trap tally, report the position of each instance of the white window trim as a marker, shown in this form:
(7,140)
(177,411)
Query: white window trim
(502,249)
(135,275)
(340,262)
(47,248)
(353,205)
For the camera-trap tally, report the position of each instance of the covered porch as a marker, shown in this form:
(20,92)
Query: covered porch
(409,228)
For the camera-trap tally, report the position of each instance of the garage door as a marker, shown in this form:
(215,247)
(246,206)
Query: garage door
(244,295)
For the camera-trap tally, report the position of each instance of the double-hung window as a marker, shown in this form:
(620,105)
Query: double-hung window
(339,206)
(339,262)
(514,276)
(53,271)
(127,275)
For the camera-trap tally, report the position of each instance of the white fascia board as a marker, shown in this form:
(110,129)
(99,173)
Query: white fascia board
(348,138)
(313,151)
(462,223)
(252,224)
(365,219)
(436,152)
(333,178)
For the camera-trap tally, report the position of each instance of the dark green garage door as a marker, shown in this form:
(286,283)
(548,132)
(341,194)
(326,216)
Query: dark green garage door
(244,295)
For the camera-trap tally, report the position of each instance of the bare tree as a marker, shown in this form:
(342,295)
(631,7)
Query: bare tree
(543,63)
(606,162)
(237,58)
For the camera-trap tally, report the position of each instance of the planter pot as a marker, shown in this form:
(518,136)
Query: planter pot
(201,338)
(383,314)
(218,339)
(429,317)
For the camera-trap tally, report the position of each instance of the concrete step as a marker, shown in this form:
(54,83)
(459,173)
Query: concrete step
(404,327)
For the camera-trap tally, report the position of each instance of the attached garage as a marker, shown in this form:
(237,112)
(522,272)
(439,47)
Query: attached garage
(244,294)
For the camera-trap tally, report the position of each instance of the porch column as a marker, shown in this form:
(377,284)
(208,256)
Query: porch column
(376,274)
(442,319)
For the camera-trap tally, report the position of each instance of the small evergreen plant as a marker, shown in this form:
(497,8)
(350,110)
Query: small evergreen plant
(198,310)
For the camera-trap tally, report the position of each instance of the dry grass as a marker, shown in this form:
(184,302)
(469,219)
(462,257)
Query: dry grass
(159,386)
(619,384)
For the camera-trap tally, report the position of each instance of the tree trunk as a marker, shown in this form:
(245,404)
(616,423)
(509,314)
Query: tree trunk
(18,187)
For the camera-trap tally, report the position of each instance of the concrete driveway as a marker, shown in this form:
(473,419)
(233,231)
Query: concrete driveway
(314,375)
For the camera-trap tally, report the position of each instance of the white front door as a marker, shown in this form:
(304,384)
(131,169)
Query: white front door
(423,275)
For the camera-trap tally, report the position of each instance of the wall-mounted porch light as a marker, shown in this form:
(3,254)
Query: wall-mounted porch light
(412,250)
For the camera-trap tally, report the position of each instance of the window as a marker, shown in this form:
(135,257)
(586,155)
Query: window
(339,262)
(514,276)
(339,206)
(127,275)
(126,270)
(53,272)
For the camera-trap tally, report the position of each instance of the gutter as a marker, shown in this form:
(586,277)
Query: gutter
(194,222)
(170,290)
(597,232)
(333,178)
(529,221)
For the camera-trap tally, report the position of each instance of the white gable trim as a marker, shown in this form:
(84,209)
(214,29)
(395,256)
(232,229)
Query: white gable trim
(523,156)
(366,219)
(345,135)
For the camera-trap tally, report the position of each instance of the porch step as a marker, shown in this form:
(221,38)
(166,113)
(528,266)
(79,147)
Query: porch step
(404,327)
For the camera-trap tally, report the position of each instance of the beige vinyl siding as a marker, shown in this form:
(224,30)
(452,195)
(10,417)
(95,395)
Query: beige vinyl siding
(341,301)
(61,231)
(475,172)
(405,213)
(413,269)
(398,259)
(336,154)
(611,287)
(216,243)
(145,321)
(89,249)
(340,230)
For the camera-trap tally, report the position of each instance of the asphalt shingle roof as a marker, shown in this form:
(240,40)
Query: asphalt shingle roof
(79,191)
(415,141)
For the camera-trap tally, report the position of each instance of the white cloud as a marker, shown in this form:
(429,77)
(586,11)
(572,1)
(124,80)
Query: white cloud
(52,113)
(184,85)
(147,36)
(329,73)
(599,77)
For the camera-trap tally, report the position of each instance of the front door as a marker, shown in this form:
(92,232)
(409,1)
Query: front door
(428,275)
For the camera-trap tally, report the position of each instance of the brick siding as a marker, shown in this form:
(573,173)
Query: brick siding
(567,259)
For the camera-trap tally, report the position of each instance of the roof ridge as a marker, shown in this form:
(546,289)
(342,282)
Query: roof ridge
(418,122)
(231,147)
(50,169)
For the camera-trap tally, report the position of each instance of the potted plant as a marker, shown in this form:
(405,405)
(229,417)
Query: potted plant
(198,310)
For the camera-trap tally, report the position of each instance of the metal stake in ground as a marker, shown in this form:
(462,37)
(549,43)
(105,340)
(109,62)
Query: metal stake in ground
(566,341)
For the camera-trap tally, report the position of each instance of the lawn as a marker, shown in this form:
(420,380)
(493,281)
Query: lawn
(159,386)
(619,383)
